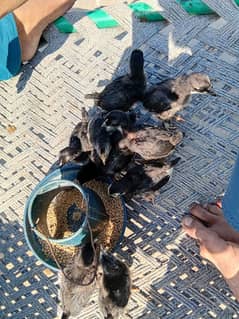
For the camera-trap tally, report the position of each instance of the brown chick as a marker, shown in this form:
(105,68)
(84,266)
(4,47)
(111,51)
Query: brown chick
(167,98)
(80,283)
(151,142)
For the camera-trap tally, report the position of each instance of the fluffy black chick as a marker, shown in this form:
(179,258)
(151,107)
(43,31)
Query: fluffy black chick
(121,121)
(106,130)
(167,98)
(125,90)
(151,142)
(69,154)
(79,145)
(79,136)
(100,138)
(117,161)
(117,124)
(114,286)
(74,296)
(143,178)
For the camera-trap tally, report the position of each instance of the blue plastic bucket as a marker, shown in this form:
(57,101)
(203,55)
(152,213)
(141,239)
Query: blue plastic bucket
(40,199)
(56,181)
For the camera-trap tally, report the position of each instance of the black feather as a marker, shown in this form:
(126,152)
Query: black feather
(125,90)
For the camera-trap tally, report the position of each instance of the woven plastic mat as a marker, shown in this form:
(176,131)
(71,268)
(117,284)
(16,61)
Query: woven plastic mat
(43,104)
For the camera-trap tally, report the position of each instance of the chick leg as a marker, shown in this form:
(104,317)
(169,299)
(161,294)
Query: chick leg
(168,125)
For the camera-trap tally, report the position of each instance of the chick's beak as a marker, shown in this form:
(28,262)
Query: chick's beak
(103,157)
(106,258)
(104,124)
(211,91)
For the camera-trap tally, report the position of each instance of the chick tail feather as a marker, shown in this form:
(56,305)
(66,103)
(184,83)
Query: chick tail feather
(94,95)
(137,64)
(175,161)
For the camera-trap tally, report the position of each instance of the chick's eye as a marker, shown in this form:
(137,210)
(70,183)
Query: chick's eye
(199,89)
(115,121)
(115,267)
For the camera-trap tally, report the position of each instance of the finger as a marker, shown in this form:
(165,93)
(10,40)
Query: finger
(214,209)
(194,228)
(210,243)
(203,214)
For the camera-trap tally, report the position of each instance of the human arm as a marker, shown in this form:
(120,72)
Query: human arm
(7,6)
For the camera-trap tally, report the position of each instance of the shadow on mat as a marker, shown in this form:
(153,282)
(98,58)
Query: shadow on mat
(26,286)
(55,42)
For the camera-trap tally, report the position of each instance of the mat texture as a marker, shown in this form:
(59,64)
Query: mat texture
(38,110)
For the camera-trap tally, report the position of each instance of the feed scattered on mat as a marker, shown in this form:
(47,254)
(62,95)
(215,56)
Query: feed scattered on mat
(63,254)
(11,128)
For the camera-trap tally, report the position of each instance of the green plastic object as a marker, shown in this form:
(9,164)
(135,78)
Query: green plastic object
(64,26)
(145,12)
(237,2)
(102,19)
(140,6)
(149,16)
(196,7)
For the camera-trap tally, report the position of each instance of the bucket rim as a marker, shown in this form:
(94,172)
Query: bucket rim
(56,185)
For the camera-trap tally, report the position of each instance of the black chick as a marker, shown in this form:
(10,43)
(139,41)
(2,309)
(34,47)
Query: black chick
(79,136)
(167,98)
(143,178)
(125,90)
(117,161)
(114,286)
(100,138)
(69,154)
(79,144)
(121,121)
(117,124)
(151,142)
(74,295)
(106,130)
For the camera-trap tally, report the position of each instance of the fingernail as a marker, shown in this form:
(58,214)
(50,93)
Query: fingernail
(219,203)
(193,205)
(187,221)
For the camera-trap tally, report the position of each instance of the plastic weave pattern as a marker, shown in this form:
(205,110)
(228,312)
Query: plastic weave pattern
(44,103)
